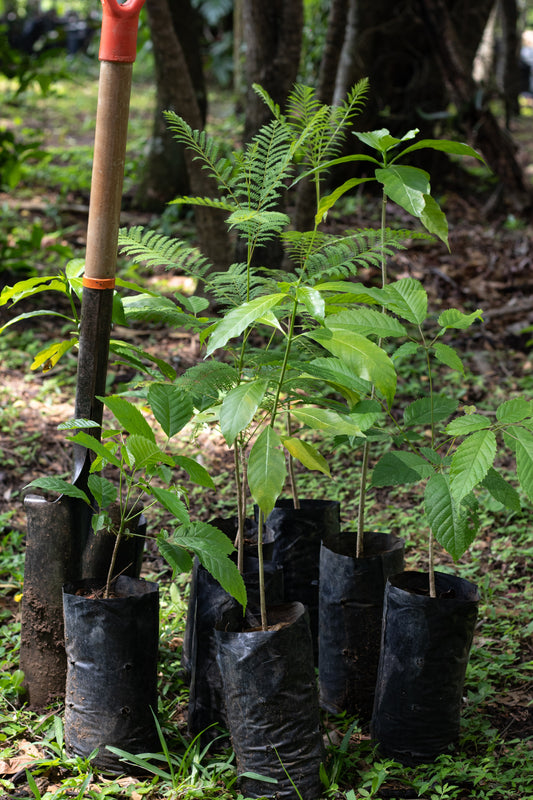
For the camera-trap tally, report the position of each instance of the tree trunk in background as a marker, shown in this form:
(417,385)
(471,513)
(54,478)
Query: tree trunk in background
(165,173)
(210,225)
(273,36)
(337,20)
(510,79)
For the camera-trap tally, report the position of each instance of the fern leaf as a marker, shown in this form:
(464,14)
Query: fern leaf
(155,250)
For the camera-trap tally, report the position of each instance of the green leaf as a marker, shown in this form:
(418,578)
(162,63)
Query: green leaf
(74,424)
(337,373)
(58,486)
(453,318)
(49,357)
(195,471)
(306,454)
(502,491)
(91,443)
(444,146)
(467,424)
(450,525)
(328,201)
(313,302)
(405,350)
(145,452)
(448,356)
(514,410)
(407,298)
(471,462)
(323,419)
(406,186)
(266,470)
(239,407)
(428,410)
(398,468)
(367,322)
(238,319)
(103,491)
(213,547)
(524,460)
(178,557)
(129,416)
(172,407)
(434,219)
(172,503)
(366,359)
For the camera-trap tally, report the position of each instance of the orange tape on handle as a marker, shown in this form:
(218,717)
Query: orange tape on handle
(119,30)
(98,283)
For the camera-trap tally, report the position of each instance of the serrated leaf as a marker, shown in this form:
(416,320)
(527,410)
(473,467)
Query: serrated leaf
(453,318)
(501,490)
(306,454)
(74,424)
(514,410)
(266,470)
(428,410)
(145,452)
(129,416)
(196,472)
(238,319)
(103,491)
(471,462)
(239,407)
(448,356)
(172,407)
(334,371)
(451,527)
(405,350)
(58,486)
(367,321)
(407,298)
(524,460)
(177,557)
(104,452)
(467,424)
(399,468)
(172,503)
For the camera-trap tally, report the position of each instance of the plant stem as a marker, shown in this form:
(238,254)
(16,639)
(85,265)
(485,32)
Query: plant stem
(239,539)
(262,599)
(118,539)
(432,589)
(290,468)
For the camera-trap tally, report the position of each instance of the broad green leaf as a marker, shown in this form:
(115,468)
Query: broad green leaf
(366,321)
(172,407)
(514,410)
(448,356)
(323,419)
(445,146)
(172,503)
(195,471)
(467,424)
(74,424)
(306,454)
(137,357)
(105,452)
(266,470)
(405,350)
(453,318)
(313,302)
(428,410)
(502,491)
(338,374)
(399,468)
(450,525)
(381,140)
(524,460)
(213,548)
(239,407)
(178,557)
(103,491)
(434,219)
(58,486)
(406,186)
(30,287)
(471,462)
(49,357)
(407,298)
(329,200)
(30,314)
(129,416)
(357,292)
(145,452)
(366,359)
(238,319)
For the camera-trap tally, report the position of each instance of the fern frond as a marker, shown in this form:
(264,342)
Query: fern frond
(266,165)
(268,101)
(205,381)
(237,284)
(155,250)
(210,202)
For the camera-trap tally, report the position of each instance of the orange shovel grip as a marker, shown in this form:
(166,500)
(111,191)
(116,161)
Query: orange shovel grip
(118,40)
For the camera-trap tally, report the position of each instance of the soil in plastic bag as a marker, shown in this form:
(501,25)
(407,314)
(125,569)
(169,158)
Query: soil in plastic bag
(272,705)
(213,607)
(297,535)
(350,617)
(111,689)
(424,654)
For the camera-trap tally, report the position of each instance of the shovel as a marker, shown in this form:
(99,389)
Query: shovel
(57,533)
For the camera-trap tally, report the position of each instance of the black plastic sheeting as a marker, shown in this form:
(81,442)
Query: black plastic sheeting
(297,536)
(213,606)
(350,616)
(272,705)
(424,654)
(111,689)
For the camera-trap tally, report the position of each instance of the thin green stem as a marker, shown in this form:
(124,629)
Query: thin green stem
(262,597)
(431,555)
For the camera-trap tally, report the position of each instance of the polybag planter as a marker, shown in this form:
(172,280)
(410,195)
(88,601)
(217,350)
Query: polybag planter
(424,654)
(350,618)
(272,705)
(111,690)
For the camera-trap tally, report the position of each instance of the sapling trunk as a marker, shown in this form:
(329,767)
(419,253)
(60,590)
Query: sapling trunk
(290,468)
(262,598)
(431,553)
(239,538)
(118,538)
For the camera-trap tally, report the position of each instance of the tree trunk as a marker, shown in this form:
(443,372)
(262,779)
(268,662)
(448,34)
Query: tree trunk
(210,225)
(165,173)
(337,20)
